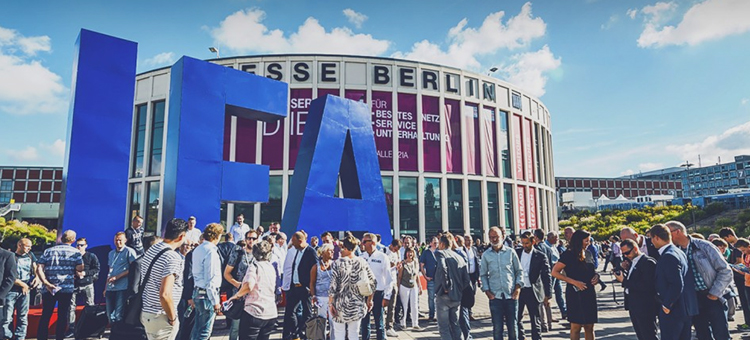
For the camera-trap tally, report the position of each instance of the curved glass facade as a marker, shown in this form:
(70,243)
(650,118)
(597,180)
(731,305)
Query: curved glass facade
(458,151)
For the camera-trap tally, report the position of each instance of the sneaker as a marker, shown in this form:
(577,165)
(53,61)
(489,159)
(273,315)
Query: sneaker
(391,332)
(417,329)
(70,334)
(743,326)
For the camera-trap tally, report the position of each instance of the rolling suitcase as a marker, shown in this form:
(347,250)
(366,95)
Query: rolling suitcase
(122,331)
(92,323)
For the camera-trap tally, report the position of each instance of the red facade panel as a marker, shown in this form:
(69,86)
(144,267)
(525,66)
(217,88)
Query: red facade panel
(34,174)
(45,198)
(19,185)
(48,174)
(21,174)
(33,186)
(32,197)
(18,197)
(58,174)
(58,186)
(46,186)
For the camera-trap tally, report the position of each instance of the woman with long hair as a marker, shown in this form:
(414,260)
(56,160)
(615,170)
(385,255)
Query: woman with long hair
(580,294)
(347,306)
(408,291)
(320,282)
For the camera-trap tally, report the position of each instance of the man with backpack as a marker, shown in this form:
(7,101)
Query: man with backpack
(451,277)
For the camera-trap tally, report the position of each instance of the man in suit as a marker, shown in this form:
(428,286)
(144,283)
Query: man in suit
(645,244)
(299,261)
(640,292)
(472,254)
(545,309)
(675,287)
(537,287)
(8,274)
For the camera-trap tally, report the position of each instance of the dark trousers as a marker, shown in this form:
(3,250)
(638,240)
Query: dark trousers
(742,290)
(711,322)
(377,313)
(186,324)
(528,299)
(252,328)
(644,324)
(63,313)
(673,328)
(293,326)
(464,323)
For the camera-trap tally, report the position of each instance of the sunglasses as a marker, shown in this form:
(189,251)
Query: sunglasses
(251,238)
(626,253)
(79,245)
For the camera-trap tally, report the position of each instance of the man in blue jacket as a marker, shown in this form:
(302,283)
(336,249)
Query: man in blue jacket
(675,287)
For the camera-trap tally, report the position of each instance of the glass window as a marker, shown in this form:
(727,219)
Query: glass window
(152,209)
(475,207)
(223,216)
(271,211)
(157,138)
(505,144)
(140,141)
(508,195)
(515,98)
(455,206)
(538,164)
(407,204)
(135,200)
(5,197)
(433,216)
(493,206)
(6,185)
(388,188)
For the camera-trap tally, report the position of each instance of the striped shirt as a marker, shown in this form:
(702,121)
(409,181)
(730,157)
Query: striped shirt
(60,266)
(170,263)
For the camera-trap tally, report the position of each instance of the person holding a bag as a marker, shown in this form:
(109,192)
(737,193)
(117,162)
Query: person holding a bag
(257,295)
(162,286)
(351,292)
(320,282)
(408,276)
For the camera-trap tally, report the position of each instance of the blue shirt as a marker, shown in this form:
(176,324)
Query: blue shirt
(594,254)
(207,270)
(60,266)
(119,262)
(24,264)
(430,263)
(501,271)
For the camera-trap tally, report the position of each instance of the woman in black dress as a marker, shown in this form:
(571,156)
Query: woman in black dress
(580,294)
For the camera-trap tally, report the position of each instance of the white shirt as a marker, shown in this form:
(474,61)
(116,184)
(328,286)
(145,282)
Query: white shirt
(663,248)
(193,235)
(287,264)
(472,265)
(238,231)
(526,264)
(207,270)
(380,265)
(643,247)
(635,261)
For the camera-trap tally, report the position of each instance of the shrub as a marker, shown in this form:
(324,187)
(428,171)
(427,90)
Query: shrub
(714,208)
(744,216)
(724,222)
(15,230)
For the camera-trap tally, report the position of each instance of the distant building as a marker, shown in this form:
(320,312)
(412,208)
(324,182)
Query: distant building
(614,187)
(35,192)
(704,180)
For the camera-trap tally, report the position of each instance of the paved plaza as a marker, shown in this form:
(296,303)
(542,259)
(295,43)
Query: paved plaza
(614,323)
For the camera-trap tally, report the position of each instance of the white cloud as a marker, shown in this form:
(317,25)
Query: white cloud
(164,58)
(528,70)
(632,13)
(27,86)
(628,172)
(704,21)
(244,31)
(744,101)
(27,154)
(732,142)
(56,149)
(611,22)
(650,166)
(355,18)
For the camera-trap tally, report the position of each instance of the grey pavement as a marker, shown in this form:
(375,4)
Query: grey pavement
(614,322)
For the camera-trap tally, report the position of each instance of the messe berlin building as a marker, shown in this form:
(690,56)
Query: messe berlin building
(458,151)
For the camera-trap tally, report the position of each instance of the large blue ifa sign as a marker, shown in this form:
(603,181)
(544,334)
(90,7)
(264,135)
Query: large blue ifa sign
(338,142)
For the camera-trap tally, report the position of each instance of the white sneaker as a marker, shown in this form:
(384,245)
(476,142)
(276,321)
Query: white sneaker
(417,328)
(391,332)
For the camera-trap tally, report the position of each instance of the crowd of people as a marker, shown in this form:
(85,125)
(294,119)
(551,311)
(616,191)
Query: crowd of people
(673,282)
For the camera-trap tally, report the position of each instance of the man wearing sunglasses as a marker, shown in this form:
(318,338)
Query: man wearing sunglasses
(84,281)
(237,264)
(640,291)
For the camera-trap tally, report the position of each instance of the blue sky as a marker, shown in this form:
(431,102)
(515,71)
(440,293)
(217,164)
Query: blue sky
(631,85)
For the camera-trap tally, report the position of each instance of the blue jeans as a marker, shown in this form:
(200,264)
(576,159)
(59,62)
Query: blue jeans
(115,305)
(463,322)
(204,316)
(504,311)
(711,321)
(447,317)
(377,313)
(559,297)
(20,302)
(431,298)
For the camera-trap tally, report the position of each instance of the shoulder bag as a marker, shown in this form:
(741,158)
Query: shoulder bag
(363,285)
(135,303)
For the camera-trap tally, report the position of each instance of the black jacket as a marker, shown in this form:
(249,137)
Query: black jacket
(539,274)
(652,251)
(8,274)
(308,260)
(188,283)
(91,268)
(641,296)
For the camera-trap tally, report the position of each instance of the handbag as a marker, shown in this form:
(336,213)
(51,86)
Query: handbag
(135,303)
(315,327)
(363,285)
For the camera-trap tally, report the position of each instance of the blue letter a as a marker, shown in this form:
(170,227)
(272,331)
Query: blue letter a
(338,141)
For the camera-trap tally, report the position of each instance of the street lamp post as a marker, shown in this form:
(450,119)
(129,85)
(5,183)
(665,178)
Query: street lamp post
(687,166)
(214,50)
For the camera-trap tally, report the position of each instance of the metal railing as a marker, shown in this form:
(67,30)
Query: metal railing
(9,208)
